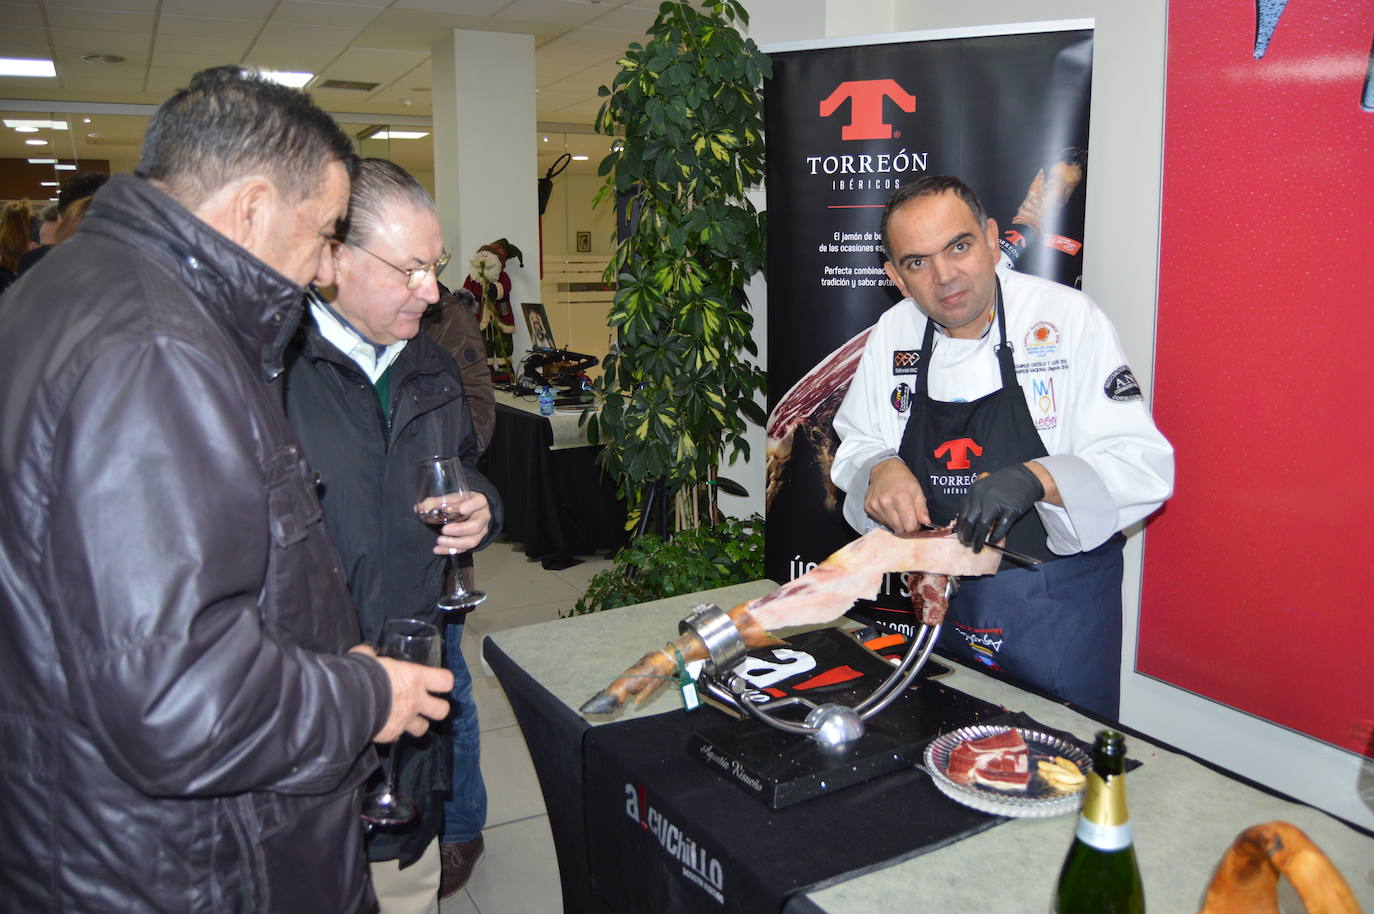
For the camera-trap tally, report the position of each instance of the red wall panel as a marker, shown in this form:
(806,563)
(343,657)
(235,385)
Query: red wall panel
(1259,574)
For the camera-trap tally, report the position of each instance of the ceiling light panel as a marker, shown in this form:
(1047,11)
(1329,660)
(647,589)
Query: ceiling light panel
(20,66)
(295,80)
(36,123)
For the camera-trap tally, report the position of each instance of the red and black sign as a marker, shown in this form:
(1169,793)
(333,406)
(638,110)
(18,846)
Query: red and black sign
(845,127)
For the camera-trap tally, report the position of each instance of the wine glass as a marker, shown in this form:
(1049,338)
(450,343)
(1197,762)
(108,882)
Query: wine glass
(417,642)
(441,486)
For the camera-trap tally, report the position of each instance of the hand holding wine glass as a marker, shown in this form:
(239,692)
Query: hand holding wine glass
(415,642)
(418,695)
(441,495)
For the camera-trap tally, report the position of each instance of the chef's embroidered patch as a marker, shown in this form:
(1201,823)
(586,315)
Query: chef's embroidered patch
(901,397)
(904,361)
(1122,385)
(1042,340)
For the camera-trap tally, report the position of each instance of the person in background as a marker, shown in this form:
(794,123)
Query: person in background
(452,323)
(1004,401)
(371,397)
(14,239)
(47,228)
(67,225)
(80,186)
(186,727)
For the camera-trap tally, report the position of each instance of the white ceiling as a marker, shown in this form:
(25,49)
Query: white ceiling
(577,44)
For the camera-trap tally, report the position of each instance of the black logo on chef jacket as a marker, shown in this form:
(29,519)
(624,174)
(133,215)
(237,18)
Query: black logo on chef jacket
(1122,385)
(901,397)
(904,361)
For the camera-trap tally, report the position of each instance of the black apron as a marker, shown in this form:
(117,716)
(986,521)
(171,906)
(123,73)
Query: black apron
(1057,627)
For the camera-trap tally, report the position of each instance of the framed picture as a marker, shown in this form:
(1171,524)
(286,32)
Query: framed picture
(537,320)
(584,242)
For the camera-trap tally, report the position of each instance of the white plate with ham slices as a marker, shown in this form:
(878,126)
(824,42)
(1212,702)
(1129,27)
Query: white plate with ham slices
(995,770)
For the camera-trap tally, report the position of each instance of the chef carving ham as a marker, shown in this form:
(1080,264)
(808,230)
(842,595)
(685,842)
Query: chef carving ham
(821,595)
(1000,761)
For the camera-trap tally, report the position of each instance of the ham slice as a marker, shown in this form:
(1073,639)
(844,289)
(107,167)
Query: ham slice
(856,571)
(1000,761)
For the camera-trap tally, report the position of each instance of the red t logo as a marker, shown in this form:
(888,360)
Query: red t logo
(866,107)
(958,451)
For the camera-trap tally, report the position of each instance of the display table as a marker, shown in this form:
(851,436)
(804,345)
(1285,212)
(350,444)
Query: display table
(558,503)
(1184,814)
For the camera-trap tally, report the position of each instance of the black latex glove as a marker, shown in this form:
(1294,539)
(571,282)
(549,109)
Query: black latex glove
(994,503)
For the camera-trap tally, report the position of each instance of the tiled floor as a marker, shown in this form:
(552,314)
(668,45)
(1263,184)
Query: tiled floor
(519,874)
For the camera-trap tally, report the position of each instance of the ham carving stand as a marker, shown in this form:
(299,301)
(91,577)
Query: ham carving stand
(832,726)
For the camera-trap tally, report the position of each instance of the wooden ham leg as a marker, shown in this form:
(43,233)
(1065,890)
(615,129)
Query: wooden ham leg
(1246,880)
(821,595)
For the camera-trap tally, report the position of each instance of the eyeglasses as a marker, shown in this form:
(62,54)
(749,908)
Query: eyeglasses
(415,276)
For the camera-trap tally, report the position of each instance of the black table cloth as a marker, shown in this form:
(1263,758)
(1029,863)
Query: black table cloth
(640,825)
(558,504)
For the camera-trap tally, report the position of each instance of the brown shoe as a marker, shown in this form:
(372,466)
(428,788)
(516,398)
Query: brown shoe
(458,859)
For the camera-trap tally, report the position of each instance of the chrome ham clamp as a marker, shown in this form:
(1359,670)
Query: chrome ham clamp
(829,724)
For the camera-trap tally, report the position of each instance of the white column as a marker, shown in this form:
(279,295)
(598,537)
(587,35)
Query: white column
(485,166)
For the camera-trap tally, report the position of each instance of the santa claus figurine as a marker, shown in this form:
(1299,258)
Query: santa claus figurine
(490,286)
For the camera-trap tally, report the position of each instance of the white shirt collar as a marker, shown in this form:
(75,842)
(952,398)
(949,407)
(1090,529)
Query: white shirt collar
(373,359)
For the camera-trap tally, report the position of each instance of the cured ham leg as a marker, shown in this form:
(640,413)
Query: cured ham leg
(827,382)
(821,595)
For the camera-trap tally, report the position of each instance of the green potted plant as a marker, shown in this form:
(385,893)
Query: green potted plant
(677,390)
(688,109)
(698,558)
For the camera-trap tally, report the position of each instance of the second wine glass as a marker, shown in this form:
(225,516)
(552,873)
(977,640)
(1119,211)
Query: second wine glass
(441,486)
(417,642)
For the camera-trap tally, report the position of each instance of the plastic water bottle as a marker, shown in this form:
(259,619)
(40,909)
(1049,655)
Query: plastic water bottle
(546,401)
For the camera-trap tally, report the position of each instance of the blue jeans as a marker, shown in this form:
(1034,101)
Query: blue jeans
(465,811)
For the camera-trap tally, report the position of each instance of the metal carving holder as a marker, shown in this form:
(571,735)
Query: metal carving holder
(831,725)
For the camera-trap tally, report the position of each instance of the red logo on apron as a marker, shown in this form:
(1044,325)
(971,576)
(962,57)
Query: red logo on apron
(958,451)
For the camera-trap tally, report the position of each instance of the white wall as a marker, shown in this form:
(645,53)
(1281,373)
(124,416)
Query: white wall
(1122,233)
(485,168)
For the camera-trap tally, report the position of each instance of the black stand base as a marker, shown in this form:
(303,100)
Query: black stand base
(781,769)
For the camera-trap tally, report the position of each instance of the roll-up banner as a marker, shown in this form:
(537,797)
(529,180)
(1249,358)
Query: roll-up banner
(1005,109)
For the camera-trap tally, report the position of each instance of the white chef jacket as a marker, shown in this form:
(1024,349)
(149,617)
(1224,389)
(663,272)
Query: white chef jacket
(1110,462)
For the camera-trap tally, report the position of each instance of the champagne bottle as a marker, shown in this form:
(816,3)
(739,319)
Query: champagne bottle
(1100,874)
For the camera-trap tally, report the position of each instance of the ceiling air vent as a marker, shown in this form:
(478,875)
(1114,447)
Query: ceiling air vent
(350,84)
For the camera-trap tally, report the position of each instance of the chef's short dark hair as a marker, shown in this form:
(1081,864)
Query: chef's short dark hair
(377,183)
(230,123)
(930,186)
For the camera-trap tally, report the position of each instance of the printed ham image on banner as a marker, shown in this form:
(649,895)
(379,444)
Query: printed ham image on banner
(1007,111)
(1257,591)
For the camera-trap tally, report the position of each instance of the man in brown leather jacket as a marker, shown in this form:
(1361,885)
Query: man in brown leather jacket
(184,723)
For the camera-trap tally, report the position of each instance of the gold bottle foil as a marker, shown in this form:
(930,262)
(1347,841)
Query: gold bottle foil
(1105,803)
